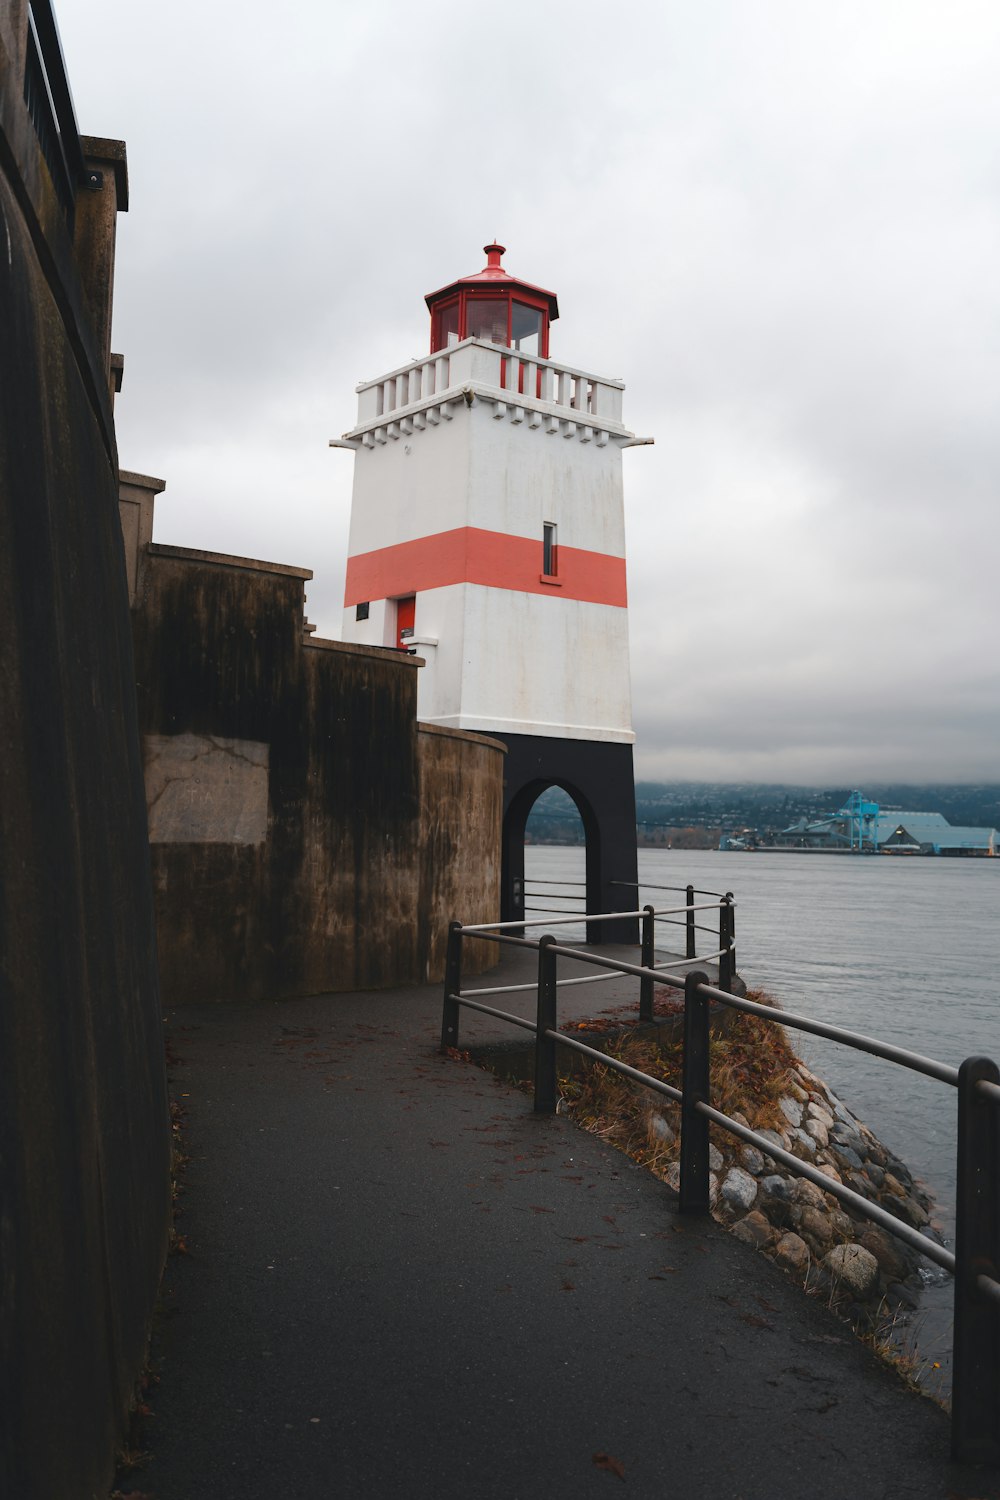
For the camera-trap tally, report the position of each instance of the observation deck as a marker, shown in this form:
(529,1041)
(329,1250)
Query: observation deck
(560,398)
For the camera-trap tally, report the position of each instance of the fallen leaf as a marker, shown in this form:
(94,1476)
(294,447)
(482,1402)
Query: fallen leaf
(612,1465)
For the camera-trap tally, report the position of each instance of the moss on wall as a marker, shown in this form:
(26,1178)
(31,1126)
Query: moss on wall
(375,837)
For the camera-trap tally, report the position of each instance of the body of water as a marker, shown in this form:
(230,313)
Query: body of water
(904,949)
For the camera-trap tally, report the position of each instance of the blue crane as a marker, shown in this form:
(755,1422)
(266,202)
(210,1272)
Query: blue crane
(862,822)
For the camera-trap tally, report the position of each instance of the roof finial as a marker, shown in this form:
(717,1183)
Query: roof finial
(493,254)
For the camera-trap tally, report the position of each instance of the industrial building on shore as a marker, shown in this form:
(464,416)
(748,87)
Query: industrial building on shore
(863,827)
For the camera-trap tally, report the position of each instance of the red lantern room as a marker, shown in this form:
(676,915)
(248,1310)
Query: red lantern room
(493,305)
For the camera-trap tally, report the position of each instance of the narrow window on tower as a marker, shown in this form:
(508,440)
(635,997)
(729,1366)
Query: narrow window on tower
(550,552)
(361,613)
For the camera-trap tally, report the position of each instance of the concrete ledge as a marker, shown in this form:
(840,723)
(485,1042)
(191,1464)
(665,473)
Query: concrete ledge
(142,481)
(224,560)
(353,648)
(461,734)
(476,725)
(111,154)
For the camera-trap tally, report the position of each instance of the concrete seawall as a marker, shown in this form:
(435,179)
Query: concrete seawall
(84,1132)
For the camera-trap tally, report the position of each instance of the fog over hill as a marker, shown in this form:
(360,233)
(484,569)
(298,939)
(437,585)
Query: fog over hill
(735,805)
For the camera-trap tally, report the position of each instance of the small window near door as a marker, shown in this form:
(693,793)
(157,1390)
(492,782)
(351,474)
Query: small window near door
(550,552)
(361,613)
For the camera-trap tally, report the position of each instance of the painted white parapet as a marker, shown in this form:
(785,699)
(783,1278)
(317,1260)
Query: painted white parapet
(523,388)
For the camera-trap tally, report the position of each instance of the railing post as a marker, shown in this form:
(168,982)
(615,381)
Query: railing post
(648,955)
(689,950)
(696,1087)
(546,1083)
(517,902)
(725,971)
(732,938)
(452,986)
(975,1406)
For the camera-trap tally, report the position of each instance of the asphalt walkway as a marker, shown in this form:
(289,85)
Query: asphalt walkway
(399,1282)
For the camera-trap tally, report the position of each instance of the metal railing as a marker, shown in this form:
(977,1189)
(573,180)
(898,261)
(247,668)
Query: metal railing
(50,105)
(727,921)
(572,894)
(975,1262)
(724,955)
(540,889)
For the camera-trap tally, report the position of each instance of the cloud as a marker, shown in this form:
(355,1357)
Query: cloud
(779,223)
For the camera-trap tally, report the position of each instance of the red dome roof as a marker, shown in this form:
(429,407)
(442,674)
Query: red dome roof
(493,274)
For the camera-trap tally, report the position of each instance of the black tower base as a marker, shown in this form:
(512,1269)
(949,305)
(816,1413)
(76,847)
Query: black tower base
(598,775)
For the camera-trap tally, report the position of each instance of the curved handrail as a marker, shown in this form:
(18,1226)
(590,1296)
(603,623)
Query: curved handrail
(648,885)
(975,1262)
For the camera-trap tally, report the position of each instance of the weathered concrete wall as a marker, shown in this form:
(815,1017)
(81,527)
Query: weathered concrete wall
(461,814)
(84,1132)
(136,499)
(301,841)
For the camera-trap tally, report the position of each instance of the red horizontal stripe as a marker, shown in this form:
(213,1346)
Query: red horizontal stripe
(492,558)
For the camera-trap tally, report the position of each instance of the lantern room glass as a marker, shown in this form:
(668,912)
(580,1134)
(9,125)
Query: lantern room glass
(504,315)
(525,328)
(446,323)
(486,318)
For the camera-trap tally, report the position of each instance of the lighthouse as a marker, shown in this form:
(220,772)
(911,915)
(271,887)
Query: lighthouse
(488,536)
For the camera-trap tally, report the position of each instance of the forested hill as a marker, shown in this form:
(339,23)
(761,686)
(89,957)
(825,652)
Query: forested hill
(731,806)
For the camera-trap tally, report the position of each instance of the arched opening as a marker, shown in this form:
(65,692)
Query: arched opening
(597,777)
(555,864)
(570,812)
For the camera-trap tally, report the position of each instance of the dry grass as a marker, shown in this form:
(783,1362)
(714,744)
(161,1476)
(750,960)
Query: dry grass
(749,1072)
(893,1338)
(750,1068)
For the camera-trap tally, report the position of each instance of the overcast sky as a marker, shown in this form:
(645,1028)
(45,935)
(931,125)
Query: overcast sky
(776,220)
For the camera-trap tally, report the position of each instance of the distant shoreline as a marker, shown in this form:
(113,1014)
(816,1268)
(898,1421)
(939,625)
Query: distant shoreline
(781,849)
(867,853)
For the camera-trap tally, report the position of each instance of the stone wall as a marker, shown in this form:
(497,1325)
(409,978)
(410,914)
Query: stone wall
(305,837)
(84,1132)
(461,808)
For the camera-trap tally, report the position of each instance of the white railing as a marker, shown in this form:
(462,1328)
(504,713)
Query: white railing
(494,370)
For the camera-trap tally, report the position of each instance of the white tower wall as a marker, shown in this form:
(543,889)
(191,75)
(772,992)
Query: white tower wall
(455,478)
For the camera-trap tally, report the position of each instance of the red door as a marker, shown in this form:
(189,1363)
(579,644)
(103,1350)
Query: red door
(405,612)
